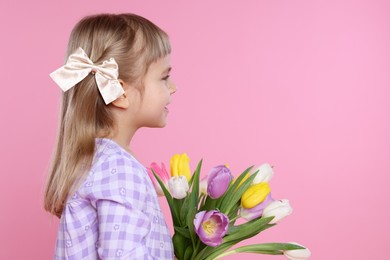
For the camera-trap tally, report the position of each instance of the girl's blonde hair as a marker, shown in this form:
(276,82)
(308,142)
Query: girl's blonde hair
(134,42)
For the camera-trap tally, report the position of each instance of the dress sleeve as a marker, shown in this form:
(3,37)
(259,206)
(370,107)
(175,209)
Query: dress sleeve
(122,231)
(118,194)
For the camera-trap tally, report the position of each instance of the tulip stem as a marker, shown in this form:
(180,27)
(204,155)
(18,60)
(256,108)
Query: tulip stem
(195,252)
(226,254)
(201,200)
(233,219)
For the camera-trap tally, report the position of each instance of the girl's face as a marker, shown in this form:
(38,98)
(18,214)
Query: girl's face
(158,88)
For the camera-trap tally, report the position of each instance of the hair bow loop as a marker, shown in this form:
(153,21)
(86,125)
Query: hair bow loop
(78,66)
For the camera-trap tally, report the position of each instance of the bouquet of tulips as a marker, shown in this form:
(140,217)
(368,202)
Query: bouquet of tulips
(204,212)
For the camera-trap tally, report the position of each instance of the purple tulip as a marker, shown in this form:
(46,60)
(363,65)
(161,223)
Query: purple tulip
(256,211)
(211,227)
(218,181)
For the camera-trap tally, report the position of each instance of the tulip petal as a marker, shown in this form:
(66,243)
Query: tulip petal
(174,163)
(203,185)
(162,174)
(184,166)
(264,174)
(255,194)
(279,209)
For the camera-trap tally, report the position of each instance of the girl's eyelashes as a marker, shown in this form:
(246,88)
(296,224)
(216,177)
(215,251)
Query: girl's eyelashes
(166,77)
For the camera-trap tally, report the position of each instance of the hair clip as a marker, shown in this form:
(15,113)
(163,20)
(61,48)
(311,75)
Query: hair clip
(78,66)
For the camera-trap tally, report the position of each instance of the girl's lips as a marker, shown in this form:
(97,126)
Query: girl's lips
(166,107)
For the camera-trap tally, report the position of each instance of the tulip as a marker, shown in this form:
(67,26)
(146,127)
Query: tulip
(264,174)
(203,186)
(256,211)
(211,227)
(279,209)
(298,254)
(255,194)
(218,181)
(161,173)
(180,165)
(178,187)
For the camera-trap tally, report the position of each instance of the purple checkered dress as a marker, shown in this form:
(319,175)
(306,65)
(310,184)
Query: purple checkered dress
(115,214)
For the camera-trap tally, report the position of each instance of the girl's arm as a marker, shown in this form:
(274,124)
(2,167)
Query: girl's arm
(122,231)
(119,195)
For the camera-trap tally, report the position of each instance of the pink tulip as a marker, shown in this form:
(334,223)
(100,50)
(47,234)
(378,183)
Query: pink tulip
(211,227)
(161,173)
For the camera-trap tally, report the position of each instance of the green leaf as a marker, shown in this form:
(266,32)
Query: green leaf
(171,203)
(194,176)
(190,223)
(184,232)
(232,188)
(267,248)
(208,250)
(188,253)
(192,197)
(210,204)
(184,210)
(248,229)
(180,243)
(234,192)
(234,213)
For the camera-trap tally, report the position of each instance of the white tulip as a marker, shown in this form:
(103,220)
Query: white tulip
(264,174)
(178,186)
(279,209)
(298,254)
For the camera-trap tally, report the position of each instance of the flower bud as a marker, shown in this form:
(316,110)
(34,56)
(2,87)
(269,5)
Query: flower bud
(279,209)
(264,174)
(255,194)
(298,254)
(180,165)
(161,173)
(178,186)
(218,181)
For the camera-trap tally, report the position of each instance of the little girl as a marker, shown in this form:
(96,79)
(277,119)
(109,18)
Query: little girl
(115,81)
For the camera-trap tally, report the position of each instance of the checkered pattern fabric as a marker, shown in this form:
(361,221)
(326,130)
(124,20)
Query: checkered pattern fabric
(115,213)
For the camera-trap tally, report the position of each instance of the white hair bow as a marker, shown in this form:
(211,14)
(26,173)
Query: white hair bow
(78,66)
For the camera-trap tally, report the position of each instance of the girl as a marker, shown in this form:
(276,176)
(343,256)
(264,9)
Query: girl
(115,81)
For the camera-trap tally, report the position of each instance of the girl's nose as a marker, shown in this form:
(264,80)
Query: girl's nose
(172,88)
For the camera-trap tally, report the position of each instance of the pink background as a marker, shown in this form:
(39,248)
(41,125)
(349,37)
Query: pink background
(303,85)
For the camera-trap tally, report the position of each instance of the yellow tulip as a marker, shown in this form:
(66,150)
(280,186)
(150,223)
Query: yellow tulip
(255,194)
(180,165)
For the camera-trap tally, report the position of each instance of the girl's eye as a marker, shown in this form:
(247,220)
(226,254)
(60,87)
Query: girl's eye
(166,77)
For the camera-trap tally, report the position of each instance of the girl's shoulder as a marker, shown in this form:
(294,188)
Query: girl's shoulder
(113,171)
(112,158)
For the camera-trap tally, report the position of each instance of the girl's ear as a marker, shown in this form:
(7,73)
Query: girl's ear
(123,101)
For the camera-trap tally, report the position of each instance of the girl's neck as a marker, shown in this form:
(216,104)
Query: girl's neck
(122,139)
